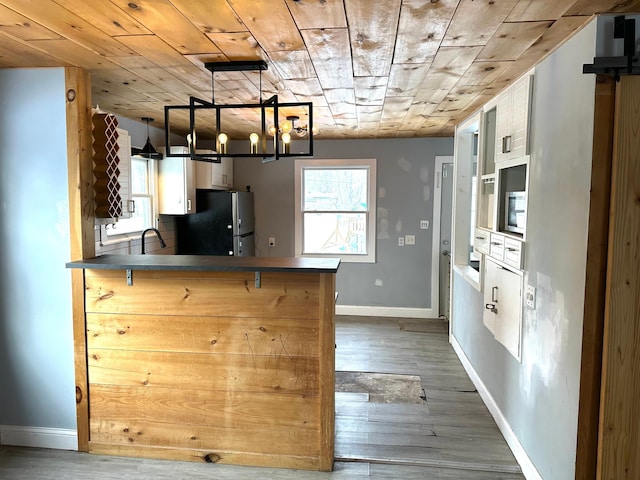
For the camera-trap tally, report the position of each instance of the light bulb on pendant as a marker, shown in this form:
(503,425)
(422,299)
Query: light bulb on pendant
(222,140)
(286,126)
(286,142)
(272,130)
(253,138)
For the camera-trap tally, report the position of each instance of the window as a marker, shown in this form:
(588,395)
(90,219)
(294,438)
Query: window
(336,209)
(141,194)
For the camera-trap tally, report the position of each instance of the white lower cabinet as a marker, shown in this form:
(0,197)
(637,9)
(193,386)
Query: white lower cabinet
(481,241)
(503,305)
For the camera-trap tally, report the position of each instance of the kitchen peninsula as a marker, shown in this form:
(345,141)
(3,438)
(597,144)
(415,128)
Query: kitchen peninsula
(214,359)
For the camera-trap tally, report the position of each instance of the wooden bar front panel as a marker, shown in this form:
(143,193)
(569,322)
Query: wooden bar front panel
(204,366)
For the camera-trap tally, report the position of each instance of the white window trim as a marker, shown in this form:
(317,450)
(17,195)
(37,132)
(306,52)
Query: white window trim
(152,179)
(369,163)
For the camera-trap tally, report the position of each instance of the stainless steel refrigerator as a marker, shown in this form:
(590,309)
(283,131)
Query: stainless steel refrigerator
(222,225)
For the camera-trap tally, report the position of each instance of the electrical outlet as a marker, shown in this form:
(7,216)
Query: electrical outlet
(272,241)
(401,241)
(424,224)
(409,239)
(530,296)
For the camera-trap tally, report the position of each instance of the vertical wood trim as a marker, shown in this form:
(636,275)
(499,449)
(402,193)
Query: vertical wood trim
(80,181)
(595,285)
(619,427)
(327,370)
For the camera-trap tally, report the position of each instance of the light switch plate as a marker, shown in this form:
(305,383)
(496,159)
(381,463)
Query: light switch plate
(424,224)
(530,296)
(401,241)
(409,239)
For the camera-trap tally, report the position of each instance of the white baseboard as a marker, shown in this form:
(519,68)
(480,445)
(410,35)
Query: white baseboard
(58,438)
(365,311)
(528,468)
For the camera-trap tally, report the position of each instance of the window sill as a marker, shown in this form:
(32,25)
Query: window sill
(471,275)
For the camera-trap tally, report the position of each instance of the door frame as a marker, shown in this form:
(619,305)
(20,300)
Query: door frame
(440,160)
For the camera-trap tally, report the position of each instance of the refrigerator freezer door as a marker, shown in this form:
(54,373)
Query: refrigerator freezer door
(242,213)
(244,245)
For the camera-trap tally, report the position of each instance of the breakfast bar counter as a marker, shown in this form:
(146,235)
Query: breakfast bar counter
(213,359)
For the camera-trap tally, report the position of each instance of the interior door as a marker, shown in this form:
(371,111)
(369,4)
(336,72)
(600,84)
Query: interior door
(446,204)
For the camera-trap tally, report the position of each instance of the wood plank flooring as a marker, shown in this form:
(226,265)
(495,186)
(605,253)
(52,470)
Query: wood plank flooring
(447,435)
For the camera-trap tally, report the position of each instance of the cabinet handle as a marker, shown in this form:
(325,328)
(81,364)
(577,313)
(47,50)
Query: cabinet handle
(506,144)
(131,206)
(189,205)
(480,238)
(496,243)
(491,307)
(511,249)
(494,294)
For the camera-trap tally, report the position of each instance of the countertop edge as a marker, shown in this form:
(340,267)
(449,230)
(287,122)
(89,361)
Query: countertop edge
(208,263)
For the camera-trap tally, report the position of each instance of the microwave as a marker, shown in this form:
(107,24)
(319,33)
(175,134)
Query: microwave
(515,206)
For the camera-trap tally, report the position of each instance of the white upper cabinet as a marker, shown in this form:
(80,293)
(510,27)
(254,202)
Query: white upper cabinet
(512,120)
(176,183)
(218,176)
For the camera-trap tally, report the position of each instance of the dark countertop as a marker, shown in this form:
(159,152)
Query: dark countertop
(209,263)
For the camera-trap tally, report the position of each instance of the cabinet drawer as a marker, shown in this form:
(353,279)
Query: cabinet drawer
(481,241)
(496,248)
(513,253)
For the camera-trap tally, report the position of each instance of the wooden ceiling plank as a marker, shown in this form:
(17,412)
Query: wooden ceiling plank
(318,14)
(483,73)
(511,40)
(591,7)
(237,45)
(405,79)
(457,100)
(210,16)
(167,23)
(475,22)
(537,10)
(24,28)
(20,54)
(370,90)
(106,16)
(373,27)
(270,23)
(395,108)
(305,87)
(70,53)
(293,65)
(422,28)
(330,53)
(342,102)
(68,25)
(559,32)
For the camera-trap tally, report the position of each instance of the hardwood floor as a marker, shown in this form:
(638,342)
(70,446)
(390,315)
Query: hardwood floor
(445,434)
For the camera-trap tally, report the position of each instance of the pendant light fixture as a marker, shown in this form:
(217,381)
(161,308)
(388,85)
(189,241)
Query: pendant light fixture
(148,151)
(242,130)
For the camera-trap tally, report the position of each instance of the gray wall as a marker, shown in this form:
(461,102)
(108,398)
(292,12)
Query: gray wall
(539,397)
(405,178)
(37,386)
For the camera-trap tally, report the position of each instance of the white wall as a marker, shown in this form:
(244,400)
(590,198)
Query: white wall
(538,398)
(37,386)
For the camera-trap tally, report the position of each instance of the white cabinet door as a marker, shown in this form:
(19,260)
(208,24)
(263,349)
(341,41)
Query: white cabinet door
(176,183)
(503,305)
(218,176)
(512,120)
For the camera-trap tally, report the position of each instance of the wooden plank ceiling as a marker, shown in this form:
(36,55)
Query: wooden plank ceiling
(373,69)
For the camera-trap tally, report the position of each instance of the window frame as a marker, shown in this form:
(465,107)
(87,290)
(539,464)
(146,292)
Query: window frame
(151,181)
(370,164)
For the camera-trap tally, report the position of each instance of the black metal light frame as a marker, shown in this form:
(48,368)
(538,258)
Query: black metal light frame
(264,106)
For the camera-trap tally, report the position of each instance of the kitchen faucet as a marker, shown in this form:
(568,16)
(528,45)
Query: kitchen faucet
(162,244)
